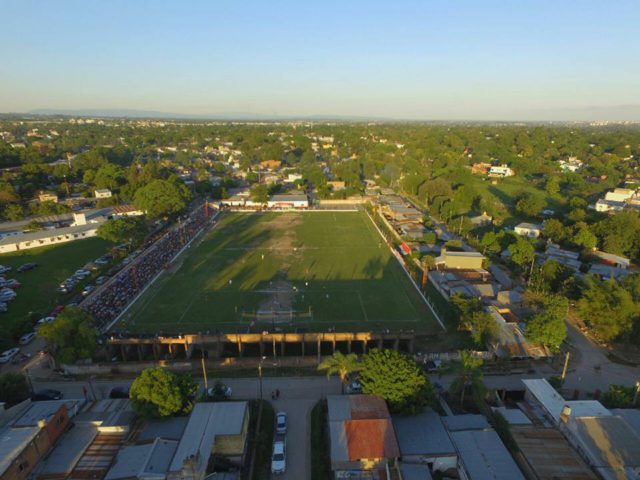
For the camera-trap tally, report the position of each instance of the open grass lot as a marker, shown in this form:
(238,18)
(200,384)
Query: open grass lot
(319,270)
(55,263)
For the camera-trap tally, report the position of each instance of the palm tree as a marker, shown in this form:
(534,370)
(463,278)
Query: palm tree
(469,374)
(341,365)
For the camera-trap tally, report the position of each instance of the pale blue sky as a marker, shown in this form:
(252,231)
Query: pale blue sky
(446,59)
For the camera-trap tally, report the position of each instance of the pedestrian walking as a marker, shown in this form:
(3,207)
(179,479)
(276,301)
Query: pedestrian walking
(277,393)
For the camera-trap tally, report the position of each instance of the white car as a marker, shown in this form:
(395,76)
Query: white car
(4,269)
(281,422)
(27,338)
(278,458)
(7,294)
(7,355)
(44,320)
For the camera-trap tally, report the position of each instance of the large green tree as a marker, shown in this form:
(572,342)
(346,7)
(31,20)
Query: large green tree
(341,365)
(522,252)
(161,198)
(157,392)
(123,229)
(547,325)
(608,308)
(396,378)
(71,337)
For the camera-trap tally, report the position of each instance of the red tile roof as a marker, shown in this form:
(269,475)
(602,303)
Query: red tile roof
(372,438)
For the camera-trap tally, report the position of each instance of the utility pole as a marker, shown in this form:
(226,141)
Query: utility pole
(635,395)
(566,366)
(204,368)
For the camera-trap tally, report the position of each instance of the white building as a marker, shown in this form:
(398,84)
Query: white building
(530,230)
(572,164)
(501,171)
(296,201)
(103,193)
(44,238)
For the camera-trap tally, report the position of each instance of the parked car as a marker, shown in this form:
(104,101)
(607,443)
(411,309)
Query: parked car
(101,261)
(10,283)
(353,387)
(101,279)
(88,289)
(278,458)
(119,392)
(44,320)
(25,267)
(220,391)
(56,310)
(7,355)
(82,273)
(47,394)
(27,338)
(4,307)
(281,422)
(7,294)
(4,269)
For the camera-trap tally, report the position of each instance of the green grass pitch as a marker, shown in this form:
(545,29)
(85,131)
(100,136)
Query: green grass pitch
(316,270)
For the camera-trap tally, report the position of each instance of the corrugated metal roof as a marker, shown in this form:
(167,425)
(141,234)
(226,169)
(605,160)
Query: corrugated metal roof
(207,420)
(371,438)
(339,446)
(549,455)
(422,434)
(47,409)
(338,407)
(412,471)
(148,460)
(630,415)
(465,422)
(484,456)
(44,234)
(69,450)
(610,440)
(171,428)
(12,442)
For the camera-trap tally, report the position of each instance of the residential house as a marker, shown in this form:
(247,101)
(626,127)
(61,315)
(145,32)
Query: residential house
(501,171)
(460,260)
(548,454)
(335,185)
(102,193)
(362,438)
(47,197)
(30,439)
(270,164)
(423,440)
(480,168)
(219,429)
(530,230)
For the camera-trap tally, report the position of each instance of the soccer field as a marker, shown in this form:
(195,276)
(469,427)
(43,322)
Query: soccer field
(283,271)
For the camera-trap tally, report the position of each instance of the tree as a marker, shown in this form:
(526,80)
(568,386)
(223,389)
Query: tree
(397,379)
(124,229)
(71,337)
(522,252)
(160,393)
(13,388)
(13,212)
(472,316)
(583,237)
(530,205)
(608,308)
(160,198)
(619,396)
(341,365)
(260,193)
(469,375)
(547,326)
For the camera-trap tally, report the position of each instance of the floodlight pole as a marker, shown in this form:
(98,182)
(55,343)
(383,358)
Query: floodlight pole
(204,368)
(635,395)
(566,366)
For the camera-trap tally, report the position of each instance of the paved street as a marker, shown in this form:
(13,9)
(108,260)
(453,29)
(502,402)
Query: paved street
(297,396)
(590,369)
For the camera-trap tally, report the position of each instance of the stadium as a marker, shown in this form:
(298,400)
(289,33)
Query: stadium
(280,273)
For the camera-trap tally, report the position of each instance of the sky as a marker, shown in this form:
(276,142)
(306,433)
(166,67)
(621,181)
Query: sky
(416,60)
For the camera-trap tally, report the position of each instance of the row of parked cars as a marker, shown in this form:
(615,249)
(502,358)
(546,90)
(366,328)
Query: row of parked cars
(279,454)
(8,286)
(13,355)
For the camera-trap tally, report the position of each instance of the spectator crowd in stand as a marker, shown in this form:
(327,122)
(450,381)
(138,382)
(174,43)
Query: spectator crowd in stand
(108,303)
